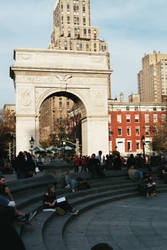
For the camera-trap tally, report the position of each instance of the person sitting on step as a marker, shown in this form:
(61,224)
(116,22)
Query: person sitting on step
(51,202)
(135,174)
(7,202)
(150,187)
(71,181)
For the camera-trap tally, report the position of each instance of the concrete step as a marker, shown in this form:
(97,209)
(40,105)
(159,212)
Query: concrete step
(85,200)
(58,225)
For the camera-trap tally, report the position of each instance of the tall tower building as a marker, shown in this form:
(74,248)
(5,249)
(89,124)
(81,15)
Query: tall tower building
(152,79)
(72,27)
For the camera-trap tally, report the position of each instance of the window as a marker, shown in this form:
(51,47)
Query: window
(110,132)
(128,129)
(155,131)
(136,118)
(136,108)
(155,118)
(119,118)
(146,118)
(127,108)
(137,145)
(147,130)
(129,145)
(128,118)
(163,117)
(154,108)
(119,131)
(137,131)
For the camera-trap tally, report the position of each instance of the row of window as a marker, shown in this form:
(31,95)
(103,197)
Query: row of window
(75,7)
(82,46)
(148,131)
(129,145)
(75,21)
(137,108)
(146,117)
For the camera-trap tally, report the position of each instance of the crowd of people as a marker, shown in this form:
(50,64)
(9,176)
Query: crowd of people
(24,165)
(113,161)
(144,179)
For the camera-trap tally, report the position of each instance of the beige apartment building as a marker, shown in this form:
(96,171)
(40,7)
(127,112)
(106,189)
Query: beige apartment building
(152,79)
(53,110)
(72,27)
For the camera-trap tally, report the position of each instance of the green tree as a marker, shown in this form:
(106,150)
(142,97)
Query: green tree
(159,142)
(6,131)
(61,132)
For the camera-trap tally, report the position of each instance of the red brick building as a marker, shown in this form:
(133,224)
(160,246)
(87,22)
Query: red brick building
(129,122)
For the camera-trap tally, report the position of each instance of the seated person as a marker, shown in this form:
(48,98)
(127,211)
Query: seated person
(135,174)
(102,246)
(9,213)
(131,172)
(7,200)
(150,186)
(74,182)
(71,181)
(51,202)
(82,184)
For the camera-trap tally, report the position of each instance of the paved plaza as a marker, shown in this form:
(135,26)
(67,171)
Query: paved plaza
(137,223)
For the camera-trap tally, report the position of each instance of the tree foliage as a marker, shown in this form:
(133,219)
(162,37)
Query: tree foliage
(61,132)
(7,131)
(159,142)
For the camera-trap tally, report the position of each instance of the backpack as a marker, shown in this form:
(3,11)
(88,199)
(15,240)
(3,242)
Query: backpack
(60,211)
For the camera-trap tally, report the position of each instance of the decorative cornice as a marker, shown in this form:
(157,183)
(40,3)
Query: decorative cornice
(53,70)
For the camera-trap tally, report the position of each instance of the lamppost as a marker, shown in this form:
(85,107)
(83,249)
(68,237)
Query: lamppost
(143,143)
(32,142)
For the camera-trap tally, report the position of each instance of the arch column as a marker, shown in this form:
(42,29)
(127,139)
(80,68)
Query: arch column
(24,130)
(95,135)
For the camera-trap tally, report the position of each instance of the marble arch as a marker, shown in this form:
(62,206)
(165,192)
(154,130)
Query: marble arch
(38,73)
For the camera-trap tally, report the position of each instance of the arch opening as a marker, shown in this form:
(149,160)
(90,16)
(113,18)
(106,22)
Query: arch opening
(60,121)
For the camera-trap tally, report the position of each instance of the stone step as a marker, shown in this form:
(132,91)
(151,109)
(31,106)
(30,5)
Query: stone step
(58,225)
(75,201)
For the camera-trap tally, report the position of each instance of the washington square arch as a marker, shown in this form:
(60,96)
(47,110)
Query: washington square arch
(74,66)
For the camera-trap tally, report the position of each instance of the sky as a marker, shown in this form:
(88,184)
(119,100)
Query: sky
(131,27)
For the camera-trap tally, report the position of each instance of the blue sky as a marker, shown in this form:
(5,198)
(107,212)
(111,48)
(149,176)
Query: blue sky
(131,27)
